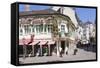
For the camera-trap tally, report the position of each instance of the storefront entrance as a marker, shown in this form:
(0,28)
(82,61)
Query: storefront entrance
(63,46)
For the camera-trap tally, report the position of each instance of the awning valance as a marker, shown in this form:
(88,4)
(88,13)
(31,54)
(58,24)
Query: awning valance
(43,42)
(51,42)
(20,42)
(34,43)
(24,41)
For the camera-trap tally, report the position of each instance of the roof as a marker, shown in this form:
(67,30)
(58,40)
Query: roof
(41,12)
(38,12)
(88,22)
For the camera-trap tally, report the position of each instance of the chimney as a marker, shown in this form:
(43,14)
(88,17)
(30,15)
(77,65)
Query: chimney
(27,8)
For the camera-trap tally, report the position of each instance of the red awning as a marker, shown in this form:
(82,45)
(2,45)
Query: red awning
(20,42)
(24,41)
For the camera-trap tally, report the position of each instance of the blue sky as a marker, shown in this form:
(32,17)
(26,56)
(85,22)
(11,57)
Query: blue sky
(84,14)
(33,7)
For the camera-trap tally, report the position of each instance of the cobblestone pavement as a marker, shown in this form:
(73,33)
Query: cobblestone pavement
(81,55)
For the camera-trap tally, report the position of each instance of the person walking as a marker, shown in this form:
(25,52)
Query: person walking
(61,52)
(66,50)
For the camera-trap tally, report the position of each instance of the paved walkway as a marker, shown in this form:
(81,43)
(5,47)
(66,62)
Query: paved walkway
(81,55)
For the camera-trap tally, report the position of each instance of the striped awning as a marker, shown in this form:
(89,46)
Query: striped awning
(24,41)
(21,43)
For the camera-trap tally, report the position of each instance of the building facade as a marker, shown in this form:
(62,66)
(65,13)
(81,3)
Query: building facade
(88,31)
(47,32)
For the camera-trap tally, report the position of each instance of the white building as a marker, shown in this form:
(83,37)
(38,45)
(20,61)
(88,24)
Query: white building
(79,33)
(55,30)
(70,12)
(88,31)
